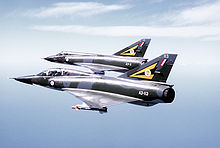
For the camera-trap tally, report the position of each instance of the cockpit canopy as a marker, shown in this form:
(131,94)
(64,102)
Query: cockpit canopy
(62,72)
(64,53)
(70,53)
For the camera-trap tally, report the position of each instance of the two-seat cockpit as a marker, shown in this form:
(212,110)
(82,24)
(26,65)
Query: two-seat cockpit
(62,72)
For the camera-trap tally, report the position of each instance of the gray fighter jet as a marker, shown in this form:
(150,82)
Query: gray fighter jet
(144,85)
(122,61)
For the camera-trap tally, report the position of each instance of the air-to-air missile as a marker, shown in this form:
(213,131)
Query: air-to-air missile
(144,85)
(122,61)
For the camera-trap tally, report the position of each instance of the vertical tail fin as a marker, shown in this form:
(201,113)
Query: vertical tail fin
(137,49)
(157,69)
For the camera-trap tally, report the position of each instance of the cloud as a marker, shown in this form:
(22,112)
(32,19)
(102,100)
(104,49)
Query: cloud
(208,13)
(201,21)
(190,31)
(75,9)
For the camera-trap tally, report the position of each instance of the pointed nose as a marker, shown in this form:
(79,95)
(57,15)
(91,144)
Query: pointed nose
(50,58)
(24,80)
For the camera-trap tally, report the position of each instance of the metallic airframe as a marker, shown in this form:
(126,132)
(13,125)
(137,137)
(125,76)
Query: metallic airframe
(144,85)
(122,61)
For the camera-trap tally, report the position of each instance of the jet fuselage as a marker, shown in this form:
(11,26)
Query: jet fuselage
(142,93)
(99,62)
(151,92)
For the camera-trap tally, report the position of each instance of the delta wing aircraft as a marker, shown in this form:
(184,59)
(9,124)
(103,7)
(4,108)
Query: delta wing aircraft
(122,61)
(144,85)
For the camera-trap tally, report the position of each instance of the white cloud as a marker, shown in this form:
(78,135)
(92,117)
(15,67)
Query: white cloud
(204,14)
(191,31)
(75,9)
(201,21)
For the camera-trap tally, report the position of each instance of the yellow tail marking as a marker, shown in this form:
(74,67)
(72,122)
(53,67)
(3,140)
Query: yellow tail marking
(130,51)
(144,76)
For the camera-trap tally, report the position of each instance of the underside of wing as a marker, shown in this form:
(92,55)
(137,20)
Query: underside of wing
(146,103)
(101,67)
(97,99)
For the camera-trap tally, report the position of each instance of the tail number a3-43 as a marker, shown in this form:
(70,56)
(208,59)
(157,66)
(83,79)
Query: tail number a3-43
(143,93)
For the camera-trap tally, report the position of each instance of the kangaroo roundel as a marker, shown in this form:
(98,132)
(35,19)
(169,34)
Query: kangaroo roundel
(132,51)
(52,83)
(147,73)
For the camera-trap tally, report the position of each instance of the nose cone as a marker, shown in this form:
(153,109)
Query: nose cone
(26,80)
(50,58)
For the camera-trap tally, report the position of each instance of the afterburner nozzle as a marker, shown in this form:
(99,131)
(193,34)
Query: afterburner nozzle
(169,95)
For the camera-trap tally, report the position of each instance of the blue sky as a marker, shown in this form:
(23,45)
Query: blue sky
(38,117)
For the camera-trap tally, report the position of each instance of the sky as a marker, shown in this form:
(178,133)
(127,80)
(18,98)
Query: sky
(32,116)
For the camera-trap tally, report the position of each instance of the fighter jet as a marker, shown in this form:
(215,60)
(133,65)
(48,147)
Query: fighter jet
(144,85)
(122,61)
